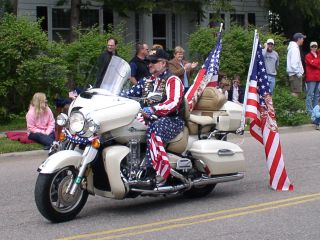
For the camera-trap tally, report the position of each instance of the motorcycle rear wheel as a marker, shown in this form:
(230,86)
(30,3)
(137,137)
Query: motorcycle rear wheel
(197,192)
(52,201)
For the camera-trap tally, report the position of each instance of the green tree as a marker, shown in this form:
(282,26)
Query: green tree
(304,14)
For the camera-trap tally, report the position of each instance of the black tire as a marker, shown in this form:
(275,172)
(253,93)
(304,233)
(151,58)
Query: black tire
(197,192)
(50,188)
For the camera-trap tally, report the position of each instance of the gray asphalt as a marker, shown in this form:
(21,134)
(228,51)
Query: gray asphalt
(246,209)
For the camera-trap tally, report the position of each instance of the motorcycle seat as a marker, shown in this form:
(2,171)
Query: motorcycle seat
(202,120)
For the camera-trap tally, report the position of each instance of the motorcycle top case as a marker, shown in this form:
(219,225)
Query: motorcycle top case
(221,157)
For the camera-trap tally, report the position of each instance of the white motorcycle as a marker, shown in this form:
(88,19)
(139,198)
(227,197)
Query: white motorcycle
(102,150)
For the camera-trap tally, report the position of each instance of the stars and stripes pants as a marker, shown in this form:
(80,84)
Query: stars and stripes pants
(162,130)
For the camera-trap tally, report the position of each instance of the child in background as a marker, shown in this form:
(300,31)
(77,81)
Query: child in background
(315,117)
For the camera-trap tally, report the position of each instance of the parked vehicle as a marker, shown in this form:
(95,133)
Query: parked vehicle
(102,150)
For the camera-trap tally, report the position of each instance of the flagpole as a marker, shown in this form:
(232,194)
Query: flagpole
(254,50)
(220,30)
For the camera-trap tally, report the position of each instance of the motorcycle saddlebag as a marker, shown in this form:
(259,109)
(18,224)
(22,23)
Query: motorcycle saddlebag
(221,157)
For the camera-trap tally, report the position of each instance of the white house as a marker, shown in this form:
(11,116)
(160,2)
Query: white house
(161,27)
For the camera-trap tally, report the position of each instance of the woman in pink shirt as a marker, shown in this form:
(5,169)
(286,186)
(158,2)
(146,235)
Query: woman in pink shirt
(40,121)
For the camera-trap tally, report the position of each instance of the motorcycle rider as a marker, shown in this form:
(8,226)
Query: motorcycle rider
(168,111)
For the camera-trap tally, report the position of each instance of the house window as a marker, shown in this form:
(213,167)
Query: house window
(137,27)
(60,24)
(89,18)
(237,19)
(42,13)
(107,18)
(61,21)
(159,29)
(214,20)
(173,26)
(252,19)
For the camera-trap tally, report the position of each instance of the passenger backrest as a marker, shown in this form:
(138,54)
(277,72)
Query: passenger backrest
(211,100)
(208,104)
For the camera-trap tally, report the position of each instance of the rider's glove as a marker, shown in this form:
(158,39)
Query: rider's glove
(148,111)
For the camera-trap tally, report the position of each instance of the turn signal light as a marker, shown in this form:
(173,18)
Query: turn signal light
(62,136)
(95,143)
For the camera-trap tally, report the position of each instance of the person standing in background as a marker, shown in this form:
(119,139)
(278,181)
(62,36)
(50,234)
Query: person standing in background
(105,58)
(40,121)
(180,67)
(294,64)
(271,59)
(138,64)
(312,61)
(236,93)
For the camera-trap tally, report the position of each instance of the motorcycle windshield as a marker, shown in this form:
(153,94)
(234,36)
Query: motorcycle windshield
(118,72)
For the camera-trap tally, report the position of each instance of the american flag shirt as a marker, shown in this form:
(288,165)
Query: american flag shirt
(173,91)
(166,127)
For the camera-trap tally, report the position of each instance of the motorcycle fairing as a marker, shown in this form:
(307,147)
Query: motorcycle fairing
(112,157)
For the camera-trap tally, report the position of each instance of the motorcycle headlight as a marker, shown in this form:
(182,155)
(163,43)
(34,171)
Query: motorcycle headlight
(62,119)
(77,122)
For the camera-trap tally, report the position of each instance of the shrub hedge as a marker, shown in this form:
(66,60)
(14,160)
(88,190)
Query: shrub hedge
(30,63)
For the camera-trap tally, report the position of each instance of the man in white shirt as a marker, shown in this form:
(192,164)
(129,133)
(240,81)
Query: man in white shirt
(294,64)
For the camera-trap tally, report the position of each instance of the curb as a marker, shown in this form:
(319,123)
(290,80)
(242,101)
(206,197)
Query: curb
(309,127)
(26,153)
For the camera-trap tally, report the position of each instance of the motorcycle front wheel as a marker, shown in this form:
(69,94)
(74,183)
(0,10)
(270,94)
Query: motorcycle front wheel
(51,198)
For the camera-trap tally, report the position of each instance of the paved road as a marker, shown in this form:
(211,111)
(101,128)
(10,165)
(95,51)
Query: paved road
(245,209)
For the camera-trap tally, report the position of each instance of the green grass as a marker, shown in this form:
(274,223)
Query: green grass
(17,123)
(7,146)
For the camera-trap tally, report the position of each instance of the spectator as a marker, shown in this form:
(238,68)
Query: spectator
(271,59)
(40,121)
(156,46)
(294,64)
(104,60)
(236,93)
(315,117)
(138,64)
(181,68)
(312,61)
(224,87)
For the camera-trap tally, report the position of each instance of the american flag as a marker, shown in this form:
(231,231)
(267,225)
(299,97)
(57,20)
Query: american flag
(263,125)
(207,75)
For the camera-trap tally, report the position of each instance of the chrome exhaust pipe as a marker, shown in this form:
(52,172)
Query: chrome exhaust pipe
(161,190)
(214,180)
(196,183)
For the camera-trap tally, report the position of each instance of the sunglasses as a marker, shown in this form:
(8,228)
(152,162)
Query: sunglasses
(314,46)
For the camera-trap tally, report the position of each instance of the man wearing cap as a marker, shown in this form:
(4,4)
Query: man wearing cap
(168,111)
(312,60)
(294,64)
(271,59)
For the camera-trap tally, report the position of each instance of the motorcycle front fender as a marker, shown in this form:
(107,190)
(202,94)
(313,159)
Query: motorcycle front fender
(60,160)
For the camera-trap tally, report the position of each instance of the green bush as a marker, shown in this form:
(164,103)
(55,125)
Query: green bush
(82,55)
(19,40)
(290,110)
(29,63)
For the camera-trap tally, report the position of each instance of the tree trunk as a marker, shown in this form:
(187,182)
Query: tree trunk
(74,18)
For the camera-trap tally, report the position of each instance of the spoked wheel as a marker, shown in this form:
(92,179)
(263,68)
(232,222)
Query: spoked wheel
(51,198)
(201,191)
